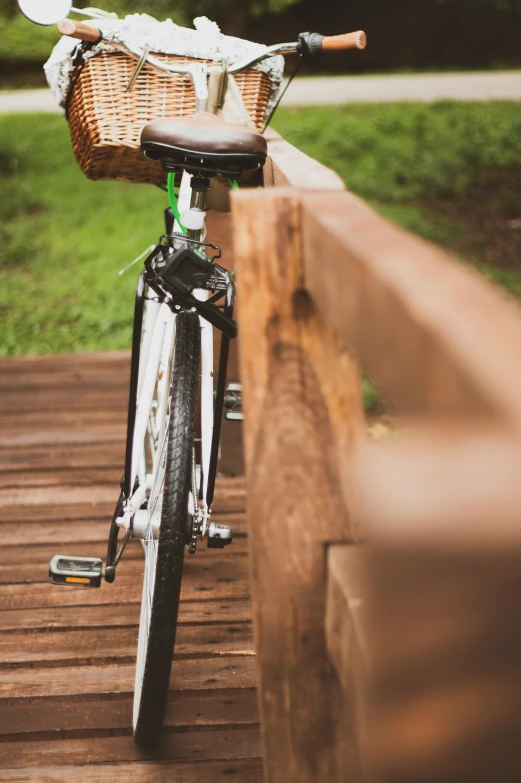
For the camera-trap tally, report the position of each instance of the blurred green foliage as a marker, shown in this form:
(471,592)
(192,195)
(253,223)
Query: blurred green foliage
(401,153)
(182,11)
(433,34)
(63,239)
(20,40)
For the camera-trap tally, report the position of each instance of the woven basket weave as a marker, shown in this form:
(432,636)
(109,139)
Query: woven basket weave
(106,122)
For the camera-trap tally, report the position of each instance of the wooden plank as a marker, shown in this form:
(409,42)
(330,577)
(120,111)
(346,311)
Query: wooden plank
(41,382)
(48,513)
(51,426)
(237,671)
(55,456)
(443,569)
(63,477)
(59,482)
(293,495)
(18,401)
(142,772)
(61,534)
(227,500)
(119,644)
(44,363)
(118,615)
(446,482)
(346,613)
(209,579)
(74,717)
(222,569)
(45,437)
(346,637)
(200,745)
(443,341)
(447,688)
(231,502)
(42,553)
(37,378)
(57,496)
(67,533)
(288,166)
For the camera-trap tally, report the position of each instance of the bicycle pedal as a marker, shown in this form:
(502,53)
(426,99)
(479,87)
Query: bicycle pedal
(219,536)
(233,402)
(76,571)
(234,416)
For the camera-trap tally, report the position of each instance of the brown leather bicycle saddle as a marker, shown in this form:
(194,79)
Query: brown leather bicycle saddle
(205,144)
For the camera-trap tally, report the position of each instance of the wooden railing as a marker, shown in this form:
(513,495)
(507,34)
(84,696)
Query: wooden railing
(386,578)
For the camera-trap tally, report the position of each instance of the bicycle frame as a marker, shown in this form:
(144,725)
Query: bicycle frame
(153,322)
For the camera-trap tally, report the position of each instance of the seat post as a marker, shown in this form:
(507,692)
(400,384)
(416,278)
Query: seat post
(199,187)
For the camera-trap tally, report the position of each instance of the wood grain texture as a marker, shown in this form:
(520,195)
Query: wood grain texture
(216,772)
(67,656)
(294,500)
(117,615)
(120,644)
(74,717)
(220,583)
(222,574)
(175,747)
(95,679)
(42,553)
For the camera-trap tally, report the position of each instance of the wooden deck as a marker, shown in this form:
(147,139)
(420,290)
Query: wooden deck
(67,655)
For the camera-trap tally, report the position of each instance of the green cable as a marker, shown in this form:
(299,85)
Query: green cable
(173,202)
(172,199)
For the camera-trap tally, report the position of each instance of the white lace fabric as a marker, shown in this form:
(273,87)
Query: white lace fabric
(139,30)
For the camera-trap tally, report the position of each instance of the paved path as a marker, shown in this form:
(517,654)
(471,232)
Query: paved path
(426,88)
(306,91)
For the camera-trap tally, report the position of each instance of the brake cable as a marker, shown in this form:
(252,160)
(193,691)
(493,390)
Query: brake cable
(281,96)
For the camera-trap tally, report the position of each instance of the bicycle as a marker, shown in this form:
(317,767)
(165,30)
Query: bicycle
(175,414)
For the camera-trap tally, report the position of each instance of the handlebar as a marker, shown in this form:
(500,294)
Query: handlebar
(310,46)
(84,32)
(336,43)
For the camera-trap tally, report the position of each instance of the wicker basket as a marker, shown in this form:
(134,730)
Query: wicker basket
(106,121)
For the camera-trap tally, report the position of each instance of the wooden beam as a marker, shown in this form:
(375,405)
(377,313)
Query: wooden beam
(294,501)
(288,166)
(437,337)
(443,608)
(347,647)
(446,483)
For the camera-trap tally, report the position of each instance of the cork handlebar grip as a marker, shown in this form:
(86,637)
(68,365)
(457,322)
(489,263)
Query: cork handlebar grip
(84,32)
(337,43)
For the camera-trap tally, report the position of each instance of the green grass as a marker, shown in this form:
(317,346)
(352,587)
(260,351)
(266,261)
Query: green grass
(398,153)
(435,169)
(63,239)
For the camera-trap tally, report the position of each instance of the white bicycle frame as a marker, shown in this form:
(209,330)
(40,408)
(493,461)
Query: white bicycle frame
(158,334)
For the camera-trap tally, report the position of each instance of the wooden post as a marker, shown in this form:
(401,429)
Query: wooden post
(294,501)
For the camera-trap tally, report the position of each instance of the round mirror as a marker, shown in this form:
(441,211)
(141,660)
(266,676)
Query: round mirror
(45,11)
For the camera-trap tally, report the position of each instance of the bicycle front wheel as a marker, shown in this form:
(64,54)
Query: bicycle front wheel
(170,498)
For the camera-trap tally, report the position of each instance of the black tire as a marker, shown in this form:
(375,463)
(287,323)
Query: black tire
(173,530)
